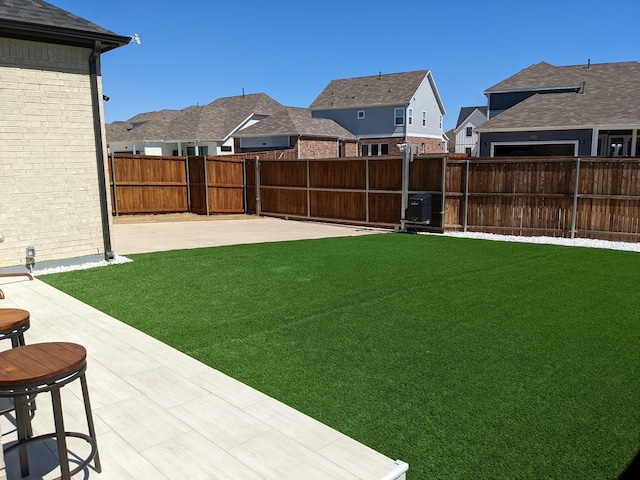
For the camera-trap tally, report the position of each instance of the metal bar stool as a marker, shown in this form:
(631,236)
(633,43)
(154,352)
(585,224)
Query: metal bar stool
(13,323)
(39,368)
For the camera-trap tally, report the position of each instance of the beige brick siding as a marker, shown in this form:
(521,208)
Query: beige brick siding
(49,195)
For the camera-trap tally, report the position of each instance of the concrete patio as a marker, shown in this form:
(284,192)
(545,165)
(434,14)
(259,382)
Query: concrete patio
(162,415)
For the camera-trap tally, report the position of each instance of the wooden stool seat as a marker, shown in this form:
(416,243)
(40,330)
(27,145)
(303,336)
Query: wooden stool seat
(13,323)
(46,367)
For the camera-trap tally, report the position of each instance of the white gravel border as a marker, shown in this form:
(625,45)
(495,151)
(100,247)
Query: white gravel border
(82,266)
(569,242)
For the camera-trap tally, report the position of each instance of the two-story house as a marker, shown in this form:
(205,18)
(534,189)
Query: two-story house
(383,111)
(466,136)
(589,109)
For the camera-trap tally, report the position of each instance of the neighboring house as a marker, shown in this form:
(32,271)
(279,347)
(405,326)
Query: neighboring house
(295,128)
(195,130)
(466,137)
(591,109)
(53,194)
(383,111)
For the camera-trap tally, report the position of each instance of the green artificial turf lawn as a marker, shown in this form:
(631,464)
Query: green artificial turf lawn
(464,358)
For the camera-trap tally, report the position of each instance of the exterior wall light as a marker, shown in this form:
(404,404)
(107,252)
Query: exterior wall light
(31,258)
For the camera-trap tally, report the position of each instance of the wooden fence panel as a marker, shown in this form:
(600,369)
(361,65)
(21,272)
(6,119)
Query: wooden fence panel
(385,173)
(337,174)
(225,182)
(283,201)
(338,205)
(145,184)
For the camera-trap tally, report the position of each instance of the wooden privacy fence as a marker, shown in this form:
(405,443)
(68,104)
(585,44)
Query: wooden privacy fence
(364,190)
(155,184)
(588,197)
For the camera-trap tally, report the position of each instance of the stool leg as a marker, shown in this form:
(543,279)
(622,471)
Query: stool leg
(18,341)
(61,438)
(92,430)
(23,429)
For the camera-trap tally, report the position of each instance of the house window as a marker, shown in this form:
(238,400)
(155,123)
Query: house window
(399,116)
(360,114)
(375,149)
(469,131)
(440,122)
(410,116)
(424,119)
(468,151)
(226,148)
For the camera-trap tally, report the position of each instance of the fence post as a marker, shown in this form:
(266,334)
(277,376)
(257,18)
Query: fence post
(258,200)
(115,188)
(206,183)
(186,169)
(444,191)
(367,193)
(244,184)
(575,200)
(466,197)
(308,189)
(406,158)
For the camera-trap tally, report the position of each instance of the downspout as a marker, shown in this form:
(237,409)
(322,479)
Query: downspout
(94,71)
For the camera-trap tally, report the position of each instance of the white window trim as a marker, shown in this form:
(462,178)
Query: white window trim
(396,117)
(410,116)
(539,142)
(360,114)
(424,118)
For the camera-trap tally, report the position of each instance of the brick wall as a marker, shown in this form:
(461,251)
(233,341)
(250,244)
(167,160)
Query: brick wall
(49,195)
(317,148)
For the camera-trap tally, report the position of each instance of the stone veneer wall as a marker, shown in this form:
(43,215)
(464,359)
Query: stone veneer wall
(49,195)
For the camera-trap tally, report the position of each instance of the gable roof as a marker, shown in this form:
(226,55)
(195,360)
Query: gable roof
(293,121)
(466,112)
(215,121)
(40,21)
(609,95)
(377,90)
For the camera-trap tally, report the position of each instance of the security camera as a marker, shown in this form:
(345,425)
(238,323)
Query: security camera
(105,98)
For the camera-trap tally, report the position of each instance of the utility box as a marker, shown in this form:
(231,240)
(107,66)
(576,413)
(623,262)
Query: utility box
(420,209)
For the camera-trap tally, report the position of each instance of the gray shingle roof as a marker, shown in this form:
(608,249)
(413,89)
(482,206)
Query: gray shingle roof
(611,97)
(213,122)
(465,112)
(39,20)
(377,90)
(296,121)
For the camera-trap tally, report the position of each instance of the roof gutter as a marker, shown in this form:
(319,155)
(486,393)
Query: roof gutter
(64,36)
(94,71)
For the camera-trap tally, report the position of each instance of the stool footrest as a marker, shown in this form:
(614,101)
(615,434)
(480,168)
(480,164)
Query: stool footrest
(47,436)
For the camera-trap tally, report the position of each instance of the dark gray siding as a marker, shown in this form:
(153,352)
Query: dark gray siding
(499,102)
(583,136)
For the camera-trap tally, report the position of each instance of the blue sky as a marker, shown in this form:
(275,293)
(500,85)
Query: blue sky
(195,51)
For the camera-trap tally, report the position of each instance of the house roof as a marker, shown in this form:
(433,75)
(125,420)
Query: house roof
(377,90)
(465,113)
(293,121)
(40,21)
(215,121)
(609,95)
